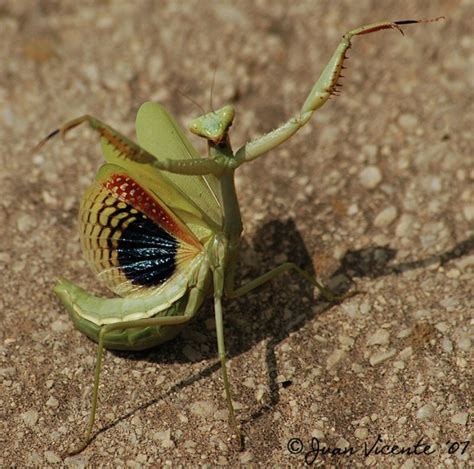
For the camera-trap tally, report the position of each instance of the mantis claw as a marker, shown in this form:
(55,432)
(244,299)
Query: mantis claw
(40,145)
(62,131)
(429,20)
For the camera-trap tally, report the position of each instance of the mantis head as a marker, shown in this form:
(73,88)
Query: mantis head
(214,125)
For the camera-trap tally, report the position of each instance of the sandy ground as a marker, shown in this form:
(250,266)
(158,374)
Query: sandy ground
(376,194)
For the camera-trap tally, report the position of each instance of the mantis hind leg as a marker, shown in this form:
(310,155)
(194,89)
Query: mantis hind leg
(151,322)
(234,293)
(285,267)
(221,352)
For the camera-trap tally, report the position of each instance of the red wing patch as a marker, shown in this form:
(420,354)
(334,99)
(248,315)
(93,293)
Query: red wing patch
(129,191)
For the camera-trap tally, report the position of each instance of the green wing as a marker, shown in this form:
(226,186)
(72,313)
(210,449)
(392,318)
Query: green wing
(159,134)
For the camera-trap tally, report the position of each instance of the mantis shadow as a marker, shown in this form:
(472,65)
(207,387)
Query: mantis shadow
(272,319)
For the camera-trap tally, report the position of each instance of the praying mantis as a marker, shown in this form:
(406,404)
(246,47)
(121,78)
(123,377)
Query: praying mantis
(161,226)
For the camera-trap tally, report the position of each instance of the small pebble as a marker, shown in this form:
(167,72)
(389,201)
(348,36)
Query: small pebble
(442,327)
(168,444)
(449,303)
(464,343)
(465,262)
(419,390)
(380,337)
(52,457)
(342,443)
(353,209)
(249,383)
(246,457)
(425,412)
(69,203)
(164,437)
(30,417)
(52,402)
(408,121)
(370,150)
(334,358)
(380,357)
(7,372)
(25,223)
(460,418)
(453,273)
(408,464)
(59,326)
(203,408)
(286,347)
(468,211)
(136,421)
(447,345)
(48,199)
(370,177)
(5,258)
(346,341)
(381,240)
(422,313)
(78,461)
(319,434)
(432,233)
(349,308)
(461,362)
(361,433)
(405,225)
(404,333)
(386,216)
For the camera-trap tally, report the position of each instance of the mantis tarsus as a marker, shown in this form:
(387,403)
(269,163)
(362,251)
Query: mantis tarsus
(161,225)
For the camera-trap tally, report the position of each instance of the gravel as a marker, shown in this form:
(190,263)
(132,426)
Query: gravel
(374,195)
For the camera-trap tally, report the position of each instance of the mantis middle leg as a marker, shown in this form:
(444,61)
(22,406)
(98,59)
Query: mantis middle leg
(282,268)
(285,267)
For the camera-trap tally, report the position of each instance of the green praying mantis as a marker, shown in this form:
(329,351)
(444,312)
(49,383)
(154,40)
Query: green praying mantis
(161,226)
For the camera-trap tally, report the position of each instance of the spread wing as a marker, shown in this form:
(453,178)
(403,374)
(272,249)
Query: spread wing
(133,241)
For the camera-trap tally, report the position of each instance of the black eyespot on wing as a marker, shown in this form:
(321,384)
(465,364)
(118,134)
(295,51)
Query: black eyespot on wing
(146,253)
